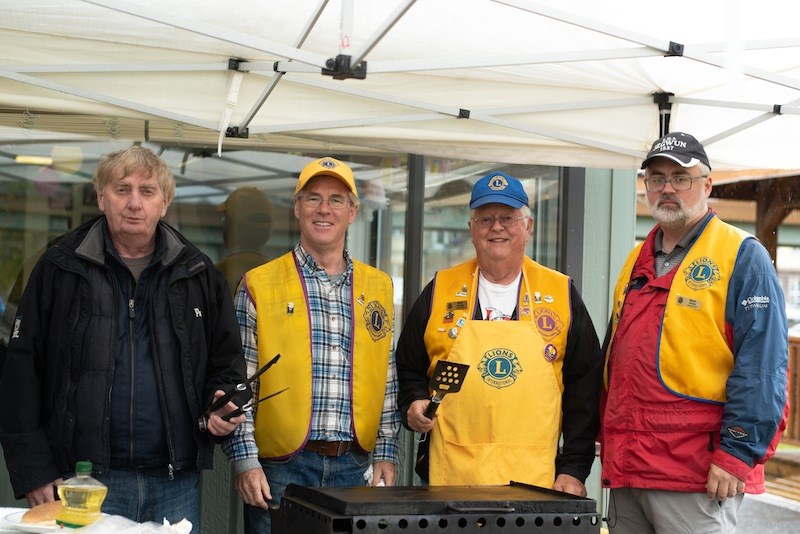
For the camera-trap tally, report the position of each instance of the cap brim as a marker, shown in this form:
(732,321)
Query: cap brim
(301,185)
(687,164)
(496,199)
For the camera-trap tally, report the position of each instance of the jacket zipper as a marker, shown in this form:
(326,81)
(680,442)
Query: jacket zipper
(159,378)
(131,335)
(113,364)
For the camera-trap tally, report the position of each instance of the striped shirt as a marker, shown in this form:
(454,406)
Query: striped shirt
(329,301)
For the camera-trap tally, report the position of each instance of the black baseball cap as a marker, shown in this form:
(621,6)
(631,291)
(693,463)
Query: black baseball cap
(681,148)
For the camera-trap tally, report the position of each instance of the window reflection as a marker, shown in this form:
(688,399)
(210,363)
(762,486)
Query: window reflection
(448,188)
(45,191)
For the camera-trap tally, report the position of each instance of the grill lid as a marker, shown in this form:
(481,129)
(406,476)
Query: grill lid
(441,500)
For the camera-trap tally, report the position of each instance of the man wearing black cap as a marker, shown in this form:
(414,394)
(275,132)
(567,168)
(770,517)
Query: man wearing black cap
(696,360)
(535,361)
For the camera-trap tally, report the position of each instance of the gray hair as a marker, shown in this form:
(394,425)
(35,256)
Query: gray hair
(122,163)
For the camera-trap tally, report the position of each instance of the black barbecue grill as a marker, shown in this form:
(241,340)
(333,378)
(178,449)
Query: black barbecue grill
(433,509)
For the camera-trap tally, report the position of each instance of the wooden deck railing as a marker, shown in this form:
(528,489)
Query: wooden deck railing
(792,433)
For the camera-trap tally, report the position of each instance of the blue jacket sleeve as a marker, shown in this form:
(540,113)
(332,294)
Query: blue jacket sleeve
(755,316)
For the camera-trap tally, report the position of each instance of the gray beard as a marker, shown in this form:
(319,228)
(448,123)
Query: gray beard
(677,218)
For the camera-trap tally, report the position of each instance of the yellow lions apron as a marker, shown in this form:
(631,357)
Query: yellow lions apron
(505,422)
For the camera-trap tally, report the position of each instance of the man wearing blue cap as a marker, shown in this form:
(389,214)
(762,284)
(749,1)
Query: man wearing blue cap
(535,362)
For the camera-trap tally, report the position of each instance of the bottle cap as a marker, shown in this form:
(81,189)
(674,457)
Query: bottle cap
(83,467)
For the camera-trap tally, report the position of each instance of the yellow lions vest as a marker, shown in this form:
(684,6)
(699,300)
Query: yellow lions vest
(694,316)
(505,422)
(282,423)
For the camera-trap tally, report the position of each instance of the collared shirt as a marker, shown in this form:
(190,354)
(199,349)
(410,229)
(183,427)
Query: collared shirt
(329,300)
(666,261)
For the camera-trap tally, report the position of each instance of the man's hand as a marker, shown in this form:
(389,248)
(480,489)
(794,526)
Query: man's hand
(569,484)
(216,424)
(253,488)
(43,494)
(416,416)
(722,485)
(383,471)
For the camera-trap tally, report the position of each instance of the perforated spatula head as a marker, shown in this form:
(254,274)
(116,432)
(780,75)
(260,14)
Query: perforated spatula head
(447,377)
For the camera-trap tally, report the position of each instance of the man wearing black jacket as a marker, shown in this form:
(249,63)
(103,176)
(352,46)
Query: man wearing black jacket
(535,364)
(124,335)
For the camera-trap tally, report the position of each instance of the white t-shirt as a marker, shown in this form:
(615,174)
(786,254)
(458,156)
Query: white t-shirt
(498,301)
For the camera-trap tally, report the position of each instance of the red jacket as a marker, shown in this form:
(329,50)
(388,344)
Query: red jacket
(653,438)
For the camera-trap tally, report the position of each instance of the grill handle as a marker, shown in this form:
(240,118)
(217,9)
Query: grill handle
(481,509)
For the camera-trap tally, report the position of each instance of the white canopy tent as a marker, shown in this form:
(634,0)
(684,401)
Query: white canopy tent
(553,82)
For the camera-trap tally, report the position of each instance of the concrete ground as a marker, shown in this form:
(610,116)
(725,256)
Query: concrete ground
(769,514)
(778,510)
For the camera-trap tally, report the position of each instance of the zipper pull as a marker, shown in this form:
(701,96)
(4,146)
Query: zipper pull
(171,471)
(131,310)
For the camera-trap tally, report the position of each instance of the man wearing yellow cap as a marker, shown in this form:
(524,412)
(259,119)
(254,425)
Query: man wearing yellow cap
(330,318)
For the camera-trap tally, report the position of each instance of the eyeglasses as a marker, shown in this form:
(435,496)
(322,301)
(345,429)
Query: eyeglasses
(336,202)
(679,183)
(506,221)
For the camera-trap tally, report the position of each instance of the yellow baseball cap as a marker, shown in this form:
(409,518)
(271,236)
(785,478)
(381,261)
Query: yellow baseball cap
(327,167)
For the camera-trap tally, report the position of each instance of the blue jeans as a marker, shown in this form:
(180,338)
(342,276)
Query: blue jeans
(149,495)
(305,469)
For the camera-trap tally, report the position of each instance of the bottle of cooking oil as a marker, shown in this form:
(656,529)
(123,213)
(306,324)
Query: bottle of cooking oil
(82,496)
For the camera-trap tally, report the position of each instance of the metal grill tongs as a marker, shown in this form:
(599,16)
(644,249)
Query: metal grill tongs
(250,405)
(239,394)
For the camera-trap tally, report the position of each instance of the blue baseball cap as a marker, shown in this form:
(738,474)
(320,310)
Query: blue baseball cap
(500,188)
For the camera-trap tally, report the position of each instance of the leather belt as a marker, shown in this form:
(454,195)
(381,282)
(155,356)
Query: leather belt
(329,448)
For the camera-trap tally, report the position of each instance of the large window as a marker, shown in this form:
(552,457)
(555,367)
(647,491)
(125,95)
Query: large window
(448,187)
(45,191)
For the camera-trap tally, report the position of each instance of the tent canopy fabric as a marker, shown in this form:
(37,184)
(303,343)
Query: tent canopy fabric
(551,82)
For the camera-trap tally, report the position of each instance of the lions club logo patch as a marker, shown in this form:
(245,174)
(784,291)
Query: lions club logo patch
(499,367)
(377,320)
(498,183)
(548,323)
(701,273)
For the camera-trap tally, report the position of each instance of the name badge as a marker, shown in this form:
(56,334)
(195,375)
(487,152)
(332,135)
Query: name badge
(688,302)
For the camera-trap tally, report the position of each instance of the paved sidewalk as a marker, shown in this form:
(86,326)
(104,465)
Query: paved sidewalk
(768,514)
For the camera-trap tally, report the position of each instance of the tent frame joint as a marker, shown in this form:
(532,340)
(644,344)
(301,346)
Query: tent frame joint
(340,69)
(235,62)
(234,131)
(674,49)
(662,99)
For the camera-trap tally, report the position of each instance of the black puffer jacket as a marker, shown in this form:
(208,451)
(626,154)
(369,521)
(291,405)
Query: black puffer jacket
(56,384)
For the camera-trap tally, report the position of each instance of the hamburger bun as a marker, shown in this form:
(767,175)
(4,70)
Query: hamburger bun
(42,514)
